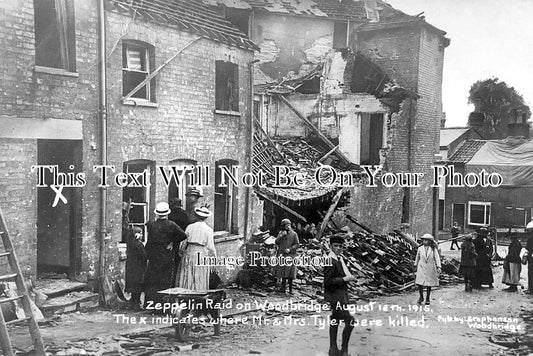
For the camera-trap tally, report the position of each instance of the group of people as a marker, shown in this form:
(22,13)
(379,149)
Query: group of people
(476,256)
(168,258)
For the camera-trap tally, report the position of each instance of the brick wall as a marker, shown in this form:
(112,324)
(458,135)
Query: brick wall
(413,57)
(30,94)
(183,125)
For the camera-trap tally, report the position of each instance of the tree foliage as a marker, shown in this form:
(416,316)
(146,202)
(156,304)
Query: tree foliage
(499,103)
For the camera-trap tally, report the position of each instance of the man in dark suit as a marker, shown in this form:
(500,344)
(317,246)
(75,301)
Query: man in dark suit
(336,278)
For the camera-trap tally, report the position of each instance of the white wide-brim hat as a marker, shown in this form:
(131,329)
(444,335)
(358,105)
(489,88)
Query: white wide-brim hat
(529,226)
(428,237)
(162,209)
(202,212)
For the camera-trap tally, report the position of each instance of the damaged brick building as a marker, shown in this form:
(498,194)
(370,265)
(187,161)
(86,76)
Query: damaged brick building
(368,76)
(178,93)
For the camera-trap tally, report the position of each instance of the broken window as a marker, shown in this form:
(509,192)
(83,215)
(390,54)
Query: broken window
(225,214)
(478,213)
(137,63)
(54,34)
(227,86)
(340,35)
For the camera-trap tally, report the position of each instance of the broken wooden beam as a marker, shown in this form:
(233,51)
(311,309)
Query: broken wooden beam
(362,226)
(331,209)
(281,205)
(265,135)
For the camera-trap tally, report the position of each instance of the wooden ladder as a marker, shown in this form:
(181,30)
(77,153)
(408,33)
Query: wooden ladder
(16,274)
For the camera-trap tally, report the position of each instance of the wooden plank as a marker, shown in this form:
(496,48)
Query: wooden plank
(264,134)
(314,129)
(35,333)
(331,209)
(328,154)
(281,205)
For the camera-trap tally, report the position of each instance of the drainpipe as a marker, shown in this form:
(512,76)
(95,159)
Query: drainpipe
(250,149)
(102,123)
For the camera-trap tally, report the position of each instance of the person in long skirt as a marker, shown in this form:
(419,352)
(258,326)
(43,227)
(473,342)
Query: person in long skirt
(287,242)
(199,244)
(483,260)
(512,266)
(135,266)
(468,262)
(428,267)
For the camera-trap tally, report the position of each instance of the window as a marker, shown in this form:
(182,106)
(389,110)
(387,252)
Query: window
(371,138)
(54,34)
(340,35)
(478,213)
(225,214)
(227,86)
(137,63)
(515,217)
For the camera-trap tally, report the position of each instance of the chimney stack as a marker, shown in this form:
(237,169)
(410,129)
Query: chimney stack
(518,125)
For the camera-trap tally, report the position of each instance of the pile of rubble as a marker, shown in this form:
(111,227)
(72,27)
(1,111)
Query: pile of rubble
(382,264)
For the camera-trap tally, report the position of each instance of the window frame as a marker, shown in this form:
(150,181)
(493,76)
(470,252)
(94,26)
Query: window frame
(62,34)
(485,205)
(223,102)
(522,209)
(147,57)
(230,199)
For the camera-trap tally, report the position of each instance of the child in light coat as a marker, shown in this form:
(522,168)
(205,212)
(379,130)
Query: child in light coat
(428,267)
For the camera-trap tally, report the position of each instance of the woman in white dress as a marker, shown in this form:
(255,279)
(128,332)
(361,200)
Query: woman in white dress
(199,242)
(427,266)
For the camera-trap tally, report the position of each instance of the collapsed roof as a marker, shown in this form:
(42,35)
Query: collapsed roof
(187,15)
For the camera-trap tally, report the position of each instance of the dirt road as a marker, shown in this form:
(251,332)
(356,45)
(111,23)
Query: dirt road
(391,325)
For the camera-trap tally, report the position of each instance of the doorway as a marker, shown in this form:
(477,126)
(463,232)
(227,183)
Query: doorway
(58,249)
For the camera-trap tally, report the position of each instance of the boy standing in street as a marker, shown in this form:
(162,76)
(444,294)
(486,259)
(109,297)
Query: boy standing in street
(336,278)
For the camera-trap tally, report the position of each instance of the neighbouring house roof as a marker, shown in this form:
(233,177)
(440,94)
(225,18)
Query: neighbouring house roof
(449,134)
(466,151)
(187,15)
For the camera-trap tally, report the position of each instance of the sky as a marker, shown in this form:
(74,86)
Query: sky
(489,38)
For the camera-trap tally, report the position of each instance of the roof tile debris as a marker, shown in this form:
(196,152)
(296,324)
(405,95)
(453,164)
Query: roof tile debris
(188,15)
(466,151)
